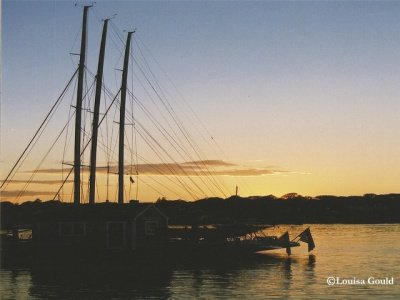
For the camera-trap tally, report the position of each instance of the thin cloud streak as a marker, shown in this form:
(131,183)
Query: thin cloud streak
(47,182)
(215,163)
(191,168)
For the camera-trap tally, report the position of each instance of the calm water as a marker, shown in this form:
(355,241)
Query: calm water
(344,251)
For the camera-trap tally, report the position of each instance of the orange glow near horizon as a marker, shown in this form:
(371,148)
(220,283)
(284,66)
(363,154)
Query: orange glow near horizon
(306,184)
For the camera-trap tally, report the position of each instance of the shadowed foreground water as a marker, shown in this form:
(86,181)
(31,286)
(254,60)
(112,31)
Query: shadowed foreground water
(345,251)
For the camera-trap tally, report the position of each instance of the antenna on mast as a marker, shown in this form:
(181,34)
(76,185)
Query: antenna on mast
(109,18)
(130,31)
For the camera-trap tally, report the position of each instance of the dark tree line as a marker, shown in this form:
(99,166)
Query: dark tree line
(290,209)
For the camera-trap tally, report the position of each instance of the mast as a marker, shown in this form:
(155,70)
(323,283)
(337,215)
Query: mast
(122,121)
(78,113)
(99,81)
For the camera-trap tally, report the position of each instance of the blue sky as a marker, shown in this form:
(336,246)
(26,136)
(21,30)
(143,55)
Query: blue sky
(309,87)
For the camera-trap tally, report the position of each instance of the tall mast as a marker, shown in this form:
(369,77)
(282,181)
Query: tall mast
(99,81)
(122,122)
(78,113)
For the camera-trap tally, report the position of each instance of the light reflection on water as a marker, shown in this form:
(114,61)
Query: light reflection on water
(345,251)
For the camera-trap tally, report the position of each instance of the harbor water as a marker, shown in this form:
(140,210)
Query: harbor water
(349,261)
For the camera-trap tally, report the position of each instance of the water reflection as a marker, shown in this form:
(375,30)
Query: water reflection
(287,268)
(82,282)
(249,278)
(142,280)
(343,250)
(19,280)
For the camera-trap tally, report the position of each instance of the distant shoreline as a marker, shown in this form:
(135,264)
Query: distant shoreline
(294,210)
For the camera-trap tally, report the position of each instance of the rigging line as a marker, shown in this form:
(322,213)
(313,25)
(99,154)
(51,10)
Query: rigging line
(201,177)
(41,133)
(97,191)
(153,118)
(105,105)
(108,181)
(114,133)
(148,113)
(88,89)
(172,83)
(178,123)
(97,17)
(106,90)
(108,150)
(161,129)
(30,150)
(137,162)
(62,184)
(191,143)
(125,193)
(75,40)
(213,171)
(110,94)
(150,165)
(41,162)
(187,154)
(165,187)
(160,172)
(187,188)
(156,82)
(132,128)
(116,193)
(116,31)
(102,146)
(153,188)
(155,122)
(66,136)
(88,142)
(168,166)
(121,53)
(200,153)
(40,127)
(170,157)
(149,134)
(157,107)
(161,89)
(87,118)
(165,136)
(201,156)
(118,35)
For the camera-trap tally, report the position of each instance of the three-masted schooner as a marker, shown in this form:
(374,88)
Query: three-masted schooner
(95,229)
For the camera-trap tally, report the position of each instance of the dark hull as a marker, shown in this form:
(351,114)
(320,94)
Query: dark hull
(170,252)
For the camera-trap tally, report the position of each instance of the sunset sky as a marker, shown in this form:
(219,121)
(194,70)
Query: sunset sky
(279,97)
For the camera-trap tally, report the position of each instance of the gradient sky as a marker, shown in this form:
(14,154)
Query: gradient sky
(309,92)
